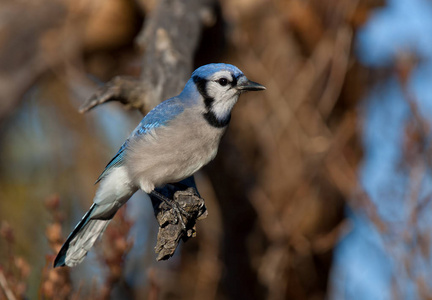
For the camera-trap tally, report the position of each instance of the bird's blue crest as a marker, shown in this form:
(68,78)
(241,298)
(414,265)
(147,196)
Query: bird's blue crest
(207,70)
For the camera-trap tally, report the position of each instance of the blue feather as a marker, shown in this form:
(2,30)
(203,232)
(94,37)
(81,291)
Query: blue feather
(158,116)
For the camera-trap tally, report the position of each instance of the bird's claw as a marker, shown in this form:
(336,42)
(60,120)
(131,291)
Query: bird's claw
(178,212)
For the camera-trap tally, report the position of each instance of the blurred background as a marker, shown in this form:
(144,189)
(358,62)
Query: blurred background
(322,185)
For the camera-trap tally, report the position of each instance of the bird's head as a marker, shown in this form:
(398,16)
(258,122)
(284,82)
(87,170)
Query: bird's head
(220,85)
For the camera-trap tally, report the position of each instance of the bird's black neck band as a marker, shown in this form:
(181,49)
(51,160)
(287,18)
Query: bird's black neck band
(214,121)
(208,101)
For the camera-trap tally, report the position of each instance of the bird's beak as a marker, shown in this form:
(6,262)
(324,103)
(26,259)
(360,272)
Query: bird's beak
(248,85)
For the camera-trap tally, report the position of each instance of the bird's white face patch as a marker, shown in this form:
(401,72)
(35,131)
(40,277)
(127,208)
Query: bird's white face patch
(221,87)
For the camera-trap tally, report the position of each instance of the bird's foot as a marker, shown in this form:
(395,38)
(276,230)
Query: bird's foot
(175,206)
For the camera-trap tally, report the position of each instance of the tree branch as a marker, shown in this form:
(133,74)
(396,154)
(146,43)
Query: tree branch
(125,89)
(171,230)
(168,40)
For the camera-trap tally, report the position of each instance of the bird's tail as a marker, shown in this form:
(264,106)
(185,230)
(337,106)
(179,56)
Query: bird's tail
(81,240)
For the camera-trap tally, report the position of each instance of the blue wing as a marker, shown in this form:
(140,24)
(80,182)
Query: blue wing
(158,116)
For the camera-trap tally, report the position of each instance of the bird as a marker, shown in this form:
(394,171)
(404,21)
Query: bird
(172,142)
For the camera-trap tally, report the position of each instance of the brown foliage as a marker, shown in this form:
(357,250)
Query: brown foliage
(14,274)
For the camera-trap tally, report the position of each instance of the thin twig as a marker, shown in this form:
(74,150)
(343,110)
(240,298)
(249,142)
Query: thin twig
(5,287)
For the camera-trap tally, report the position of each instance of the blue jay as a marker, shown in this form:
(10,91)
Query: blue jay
(172,142)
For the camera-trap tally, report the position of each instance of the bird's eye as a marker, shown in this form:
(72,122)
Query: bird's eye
(223,81)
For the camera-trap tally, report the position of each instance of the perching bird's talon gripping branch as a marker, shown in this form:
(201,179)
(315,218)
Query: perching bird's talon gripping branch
(171,229)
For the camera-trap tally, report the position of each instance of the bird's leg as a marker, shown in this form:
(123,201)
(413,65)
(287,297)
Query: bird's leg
(174,205)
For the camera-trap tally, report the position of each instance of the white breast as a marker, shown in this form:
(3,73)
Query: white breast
(172,153)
